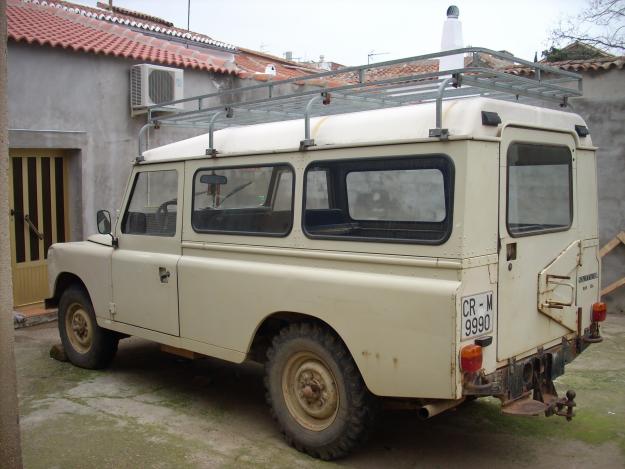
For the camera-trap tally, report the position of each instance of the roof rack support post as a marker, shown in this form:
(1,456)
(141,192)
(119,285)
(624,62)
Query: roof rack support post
(211,151)
(142,131)
(438,131)
(309,142)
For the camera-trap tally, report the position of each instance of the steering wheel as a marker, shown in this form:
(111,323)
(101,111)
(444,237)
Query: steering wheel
(162,212)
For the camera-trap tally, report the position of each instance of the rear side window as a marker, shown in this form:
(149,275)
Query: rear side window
(385,199)
(396,195)
(244,200)
(153,204)
(540,189)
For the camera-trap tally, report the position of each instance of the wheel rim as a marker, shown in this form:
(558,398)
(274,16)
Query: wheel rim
(78,327)
(310,391)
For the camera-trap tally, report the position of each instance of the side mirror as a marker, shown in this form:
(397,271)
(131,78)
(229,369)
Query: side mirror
(103,220)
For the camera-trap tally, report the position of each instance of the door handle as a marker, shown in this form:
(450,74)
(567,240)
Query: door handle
(32,226)
(164,274)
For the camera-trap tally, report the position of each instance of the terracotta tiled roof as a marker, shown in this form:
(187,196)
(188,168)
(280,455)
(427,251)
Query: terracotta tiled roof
(255,63)
(133,19)
(54,26)
(134,14)
(84,29)
(582,65)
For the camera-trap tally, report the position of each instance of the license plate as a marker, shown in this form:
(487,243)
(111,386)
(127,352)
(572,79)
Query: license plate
(477,314)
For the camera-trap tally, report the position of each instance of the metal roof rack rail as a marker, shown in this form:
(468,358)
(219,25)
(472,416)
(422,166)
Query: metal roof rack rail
(373,86)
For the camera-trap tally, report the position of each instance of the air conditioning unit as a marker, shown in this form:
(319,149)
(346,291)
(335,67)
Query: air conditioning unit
(153,84)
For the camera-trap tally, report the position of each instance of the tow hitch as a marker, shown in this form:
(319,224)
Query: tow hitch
(527,406)
(525,387)
(543,396)
(557,407)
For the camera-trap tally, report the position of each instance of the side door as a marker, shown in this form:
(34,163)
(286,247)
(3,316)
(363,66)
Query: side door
(144,266)
(540,240)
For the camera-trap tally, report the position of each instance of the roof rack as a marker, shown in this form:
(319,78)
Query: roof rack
(374,86)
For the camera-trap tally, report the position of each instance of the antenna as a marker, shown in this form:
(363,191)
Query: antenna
(373,54)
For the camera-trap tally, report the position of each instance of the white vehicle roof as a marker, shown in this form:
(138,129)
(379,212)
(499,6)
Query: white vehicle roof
(462,117)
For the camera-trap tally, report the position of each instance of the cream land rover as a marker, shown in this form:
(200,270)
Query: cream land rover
(381,264)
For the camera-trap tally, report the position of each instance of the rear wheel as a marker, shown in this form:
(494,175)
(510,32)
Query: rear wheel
(316,392)
(86,344)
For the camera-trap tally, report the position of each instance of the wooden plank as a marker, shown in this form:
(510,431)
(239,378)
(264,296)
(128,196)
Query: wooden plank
(39,207)
(618,239)
(25,208)
(53,198)
(179,352)
(613,286)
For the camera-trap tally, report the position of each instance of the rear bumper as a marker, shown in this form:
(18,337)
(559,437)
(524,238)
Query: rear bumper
(533,374)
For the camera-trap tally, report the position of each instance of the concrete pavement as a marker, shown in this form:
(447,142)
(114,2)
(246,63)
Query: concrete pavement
(151,409)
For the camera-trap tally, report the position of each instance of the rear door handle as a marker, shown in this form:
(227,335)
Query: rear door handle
(164,274)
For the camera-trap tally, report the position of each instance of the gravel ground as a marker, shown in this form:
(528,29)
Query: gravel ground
(151,409)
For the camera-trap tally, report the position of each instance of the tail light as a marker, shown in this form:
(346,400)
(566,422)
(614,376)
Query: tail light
(599,312)
(471,358)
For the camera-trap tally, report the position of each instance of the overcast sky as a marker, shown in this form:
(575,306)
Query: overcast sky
(345,31)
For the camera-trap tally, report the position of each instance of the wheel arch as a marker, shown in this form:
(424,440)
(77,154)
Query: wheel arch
(63,281)
(274,322)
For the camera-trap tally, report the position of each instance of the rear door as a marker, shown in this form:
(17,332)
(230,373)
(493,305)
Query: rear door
(540,242)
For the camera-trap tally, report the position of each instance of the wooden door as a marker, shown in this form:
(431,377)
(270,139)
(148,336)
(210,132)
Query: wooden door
(38,208)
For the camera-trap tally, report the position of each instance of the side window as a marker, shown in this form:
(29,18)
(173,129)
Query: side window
(408,195)
(383,199)
(284,191)
(317,195)
(152,208)
(540,189)
(247,200)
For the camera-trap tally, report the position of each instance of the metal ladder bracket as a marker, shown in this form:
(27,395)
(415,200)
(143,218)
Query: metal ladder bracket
(443,134)
(229,113)
(438,131)
(308,141)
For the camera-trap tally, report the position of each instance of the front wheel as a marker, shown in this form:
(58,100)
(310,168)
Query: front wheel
(316,392)
(86,344)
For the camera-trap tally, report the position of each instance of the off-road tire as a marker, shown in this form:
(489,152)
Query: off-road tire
(98,351)
(356,407)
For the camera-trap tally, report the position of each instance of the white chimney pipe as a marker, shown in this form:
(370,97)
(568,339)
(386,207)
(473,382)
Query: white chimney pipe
(452,39)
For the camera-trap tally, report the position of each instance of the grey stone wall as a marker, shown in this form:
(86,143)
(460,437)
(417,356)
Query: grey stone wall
(80,102)
(603,109)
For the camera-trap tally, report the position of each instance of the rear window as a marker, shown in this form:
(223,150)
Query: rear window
(540,189)
(406,199)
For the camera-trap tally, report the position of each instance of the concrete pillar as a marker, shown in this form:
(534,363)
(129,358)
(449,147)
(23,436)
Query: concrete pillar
(10,450)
